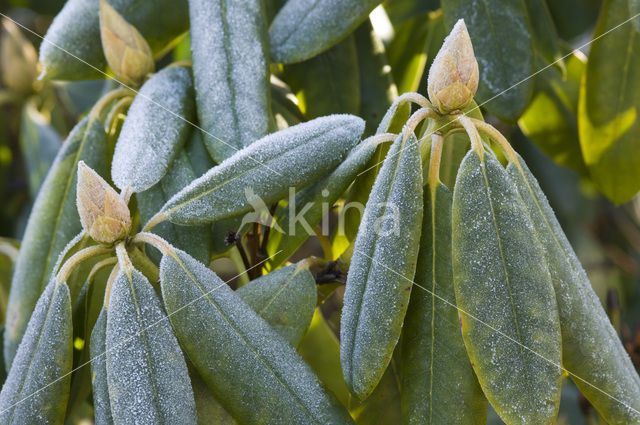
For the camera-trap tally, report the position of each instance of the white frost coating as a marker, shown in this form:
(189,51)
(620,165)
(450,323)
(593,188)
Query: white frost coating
(254,373)
(285,298)
(76,29)
(382,268)
(195,240)
(300,154)
(146,371)
(501,279)
(591,347)
(231,74)
(44,355)
(304,28)
(151,134)
(324,192)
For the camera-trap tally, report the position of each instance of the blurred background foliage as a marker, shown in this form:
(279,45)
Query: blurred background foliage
(570,111)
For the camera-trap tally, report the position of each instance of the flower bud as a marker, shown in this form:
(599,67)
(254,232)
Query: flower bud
(453,77)
(18,59)
(103,213)
(128,53)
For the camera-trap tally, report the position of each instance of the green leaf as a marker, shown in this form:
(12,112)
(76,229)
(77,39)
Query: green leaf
(252,371)
(328,83)
(210,411)
(101,402)
(72,48)
(284,298)
(284,106)
(382,268)
(543,32)
(230,68)
(86,309)
(268,167)
(551,120)
(377,89)
(196,240)
(155,129)
(502,46)
(383,405)
(607,112)
(303,28)
(401,11)
(408,51)
(37,388)
(574,17)
(52,224)
(307,208)
(146,371)
(591,350)
(455,147)
(392,122)
(504,292)
(39,143)
(200,160)
(437,379)
(321,350)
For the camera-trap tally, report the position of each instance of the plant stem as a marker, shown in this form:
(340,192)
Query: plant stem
(123,259)
(154,221)
(99,266)
(262,252)
(105,100)
(497,137)
(9,250)
(76,259)
(156,241)
(144,265)
(110,280)
(474,136)
(434,161)
(115,111)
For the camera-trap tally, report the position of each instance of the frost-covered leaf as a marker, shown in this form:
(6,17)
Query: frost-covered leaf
(294,157)
(591,348)
(256,375)
(146,371)
(230,67)
(500,36)
(328,83)
(155,129)
(299,219)
(196,240)
(37,388)
(438,383)
(75,34)
(392,122)
(101,402)
(52,224)
(503,288)
(304,28)
(284,298)
(382,268)
(608,108)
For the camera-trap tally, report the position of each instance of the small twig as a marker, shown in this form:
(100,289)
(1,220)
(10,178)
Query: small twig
(262,252)
(233,239)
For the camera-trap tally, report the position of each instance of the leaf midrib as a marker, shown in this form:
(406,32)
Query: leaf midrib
(206,294)
(504,266)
